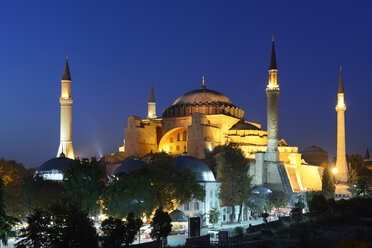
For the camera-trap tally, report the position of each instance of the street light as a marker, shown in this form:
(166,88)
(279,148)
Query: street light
(334,170)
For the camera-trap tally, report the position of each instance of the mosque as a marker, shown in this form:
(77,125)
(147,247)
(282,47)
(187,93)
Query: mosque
(194,125)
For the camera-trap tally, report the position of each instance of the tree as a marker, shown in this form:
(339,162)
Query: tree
(214,215)
(36,233)
(328,185)
(6,221)
(59,227)
(12,174)
(232,171)
(83,182)
(161,225)
(129,193)
(364,183)
(116,232)
(257,203)
(318,204)
(300,202)
(278,199)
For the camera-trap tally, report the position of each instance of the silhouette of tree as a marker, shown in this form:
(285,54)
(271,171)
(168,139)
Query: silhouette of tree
(161,225)
(328,185)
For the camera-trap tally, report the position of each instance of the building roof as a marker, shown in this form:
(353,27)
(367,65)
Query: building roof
(273,57)
(66,73)
(243,125)
(313,148)
(203,96)
(178,216)
(197,166)
(152,95)
(55,164)
(128,165)
(340,83)
(261,190)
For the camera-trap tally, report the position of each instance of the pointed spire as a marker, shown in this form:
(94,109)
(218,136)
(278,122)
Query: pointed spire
(66,73)
(203,83)
(340,83)
(152,96)
(368,157)
(273,57)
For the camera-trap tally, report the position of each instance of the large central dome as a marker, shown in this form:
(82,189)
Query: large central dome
(204,101)
(201,96)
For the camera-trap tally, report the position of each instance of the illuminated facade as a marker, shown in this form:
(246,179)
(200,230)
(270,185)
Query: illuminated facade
(66,101)
(342,175)
(203,119)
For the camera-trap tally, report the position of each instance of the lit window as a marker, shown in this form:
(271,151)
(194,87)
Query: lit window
(171,148)
(184,136)
(178,137)
(171,139)
(177,148)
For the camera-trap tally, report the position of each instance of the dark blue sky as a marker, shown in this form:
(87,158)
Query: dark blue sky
(116,48)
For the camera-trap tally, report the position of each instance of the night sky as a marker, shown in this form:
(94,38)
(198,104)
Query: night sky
(116,48)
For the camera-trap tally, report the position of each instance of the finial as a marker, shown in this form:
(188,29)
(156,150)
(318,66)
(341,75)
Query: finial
(273,37)
(66,57)
(340,67)
(203,81)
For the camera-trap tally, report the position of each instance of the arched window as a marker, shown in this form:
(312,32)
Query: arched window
(178,137)
(186,206)
(196,205)
(177,148)
(171,139)
(184,136)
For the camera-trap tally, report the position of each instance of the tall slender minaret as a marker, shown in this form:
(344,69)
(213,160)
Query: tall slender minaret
(66,100)
(151,111)
(342,175)
(272,92)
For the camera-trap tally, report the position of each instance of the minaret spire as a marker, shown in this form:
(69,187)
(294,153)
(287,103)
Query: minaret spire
(151,104)
(342,175)
(203,83)
(272,92)
(66,115)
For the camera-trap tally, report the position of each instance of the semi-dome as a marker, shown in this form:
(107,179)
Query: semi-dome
(128,165)
(197,166)
(178,216)
(315,155)
(53,168)
(204,101)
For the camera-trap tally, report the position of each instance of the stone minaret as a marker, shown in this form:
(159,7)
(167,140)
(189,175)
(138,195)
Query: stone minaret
(66,100)
(272,92)
(342,175)
(151,112)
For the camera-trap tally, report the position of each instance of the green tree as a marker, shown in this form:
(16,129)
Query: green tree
(13,174)
(214,216)
(318,203)
(278,199)
(300,202)
(232,171)
(257,203)
(161,225)
(37,233)
(116,232)
(6,221)
(364,183)
(129,193)
(83,182)
(328,185)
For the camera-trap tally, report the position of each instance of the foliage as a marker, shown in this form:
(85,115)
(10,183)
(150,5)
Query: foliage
(318,204)
(129,193)
(300,202)
(60,226)
(37,193)
(257,203)
(277,199)
(265,216)
(214,215)
(364,184)
(328,185)
(6,221)
(12,174)
(161,225)
(116,232)
(238,231)
(83,182)
(232,171)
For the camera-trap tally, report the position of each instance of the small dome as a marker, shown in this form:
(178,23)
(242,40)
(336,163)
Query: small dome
(54,168)
(128,165)
(60,164)
(197,166)
(313,148)
(178,216)
(315,155)
(201,96)
(243,125)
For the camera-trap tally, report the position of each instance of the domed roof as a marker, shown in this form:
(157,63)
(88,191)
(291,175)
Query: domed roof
(178,216)
(201,96)
(55,164)
(198,167)
(128,165)
(313,148)
(261,190)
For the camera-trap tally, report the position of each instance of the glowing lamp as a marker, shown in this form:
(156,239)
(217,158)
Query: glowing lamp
(334,170)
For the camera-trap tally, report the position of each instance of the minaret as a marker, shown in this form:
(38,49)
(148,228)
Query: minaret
(342,175)
(272,92)
(151,112)
(65,146)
